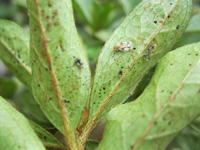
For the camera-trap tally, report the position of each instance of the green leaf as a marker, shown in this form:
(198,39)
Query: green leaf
(83,7)
(128,5)
(61,75)
(7,87)
(47,138)
(194,24)
(14,47)
(167,105)
(119,72)
(30,108)
(91,145)
(15,131)
(187,139)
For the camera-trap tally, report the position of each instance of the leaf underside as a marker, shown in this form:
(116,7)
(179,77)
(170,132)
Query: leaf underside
(15,131)
(14,47)
(118,73)
(61,75)
(168,104)
(47,138)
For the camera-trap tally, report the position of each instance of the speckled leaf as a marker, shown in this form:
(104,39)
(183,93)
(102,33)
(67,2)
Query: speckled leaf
(118,72)
(14,50)
(15,131)
(61,75)
(47,138)
(167,105)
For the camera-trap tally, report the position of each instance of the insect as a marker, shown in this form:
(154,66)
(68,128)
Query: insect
(150,51)
(79,63)
(124,46)
(120,73)
(66,100)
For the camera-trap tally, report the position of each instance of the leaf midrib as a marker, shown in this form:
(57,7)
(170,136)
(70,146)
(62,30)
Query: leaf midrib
(70,137)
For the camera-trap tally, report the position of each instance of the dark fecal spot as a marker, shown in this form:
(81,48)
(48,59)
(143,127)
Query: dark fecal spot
(39,85)
(189,64)
(134,48)
(58,79)
(162,91)
(155,21)
(46,69)
(73,56)
(42,10)
(155,122)
(188,53)
(34,60)
(177,27)
(50,98)
(196,54)
(45,137)
(168,16)
(171,92)
(104,88)
(49,4)
(170,3)
(171,64)
(169,122)
(47,17)
(122,67)
(55,57)
(66,101)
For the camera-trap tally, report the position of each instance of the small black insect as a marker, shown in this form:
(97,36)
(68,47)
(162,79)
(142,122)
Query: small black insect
(79,63)
(120,73)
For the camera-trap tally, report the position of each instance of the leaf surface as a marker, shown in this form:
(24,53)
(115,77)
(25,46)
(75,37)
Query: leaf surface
(118,72)
(61,75)
(15,131)
(47,138)
(14,51)
(168,104)
(30,108)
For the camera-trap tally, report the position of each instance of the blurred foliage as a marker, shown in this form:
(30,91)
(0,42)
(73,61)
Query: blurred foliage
(95,20)
(27,105)
(188,138)
(7,87)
